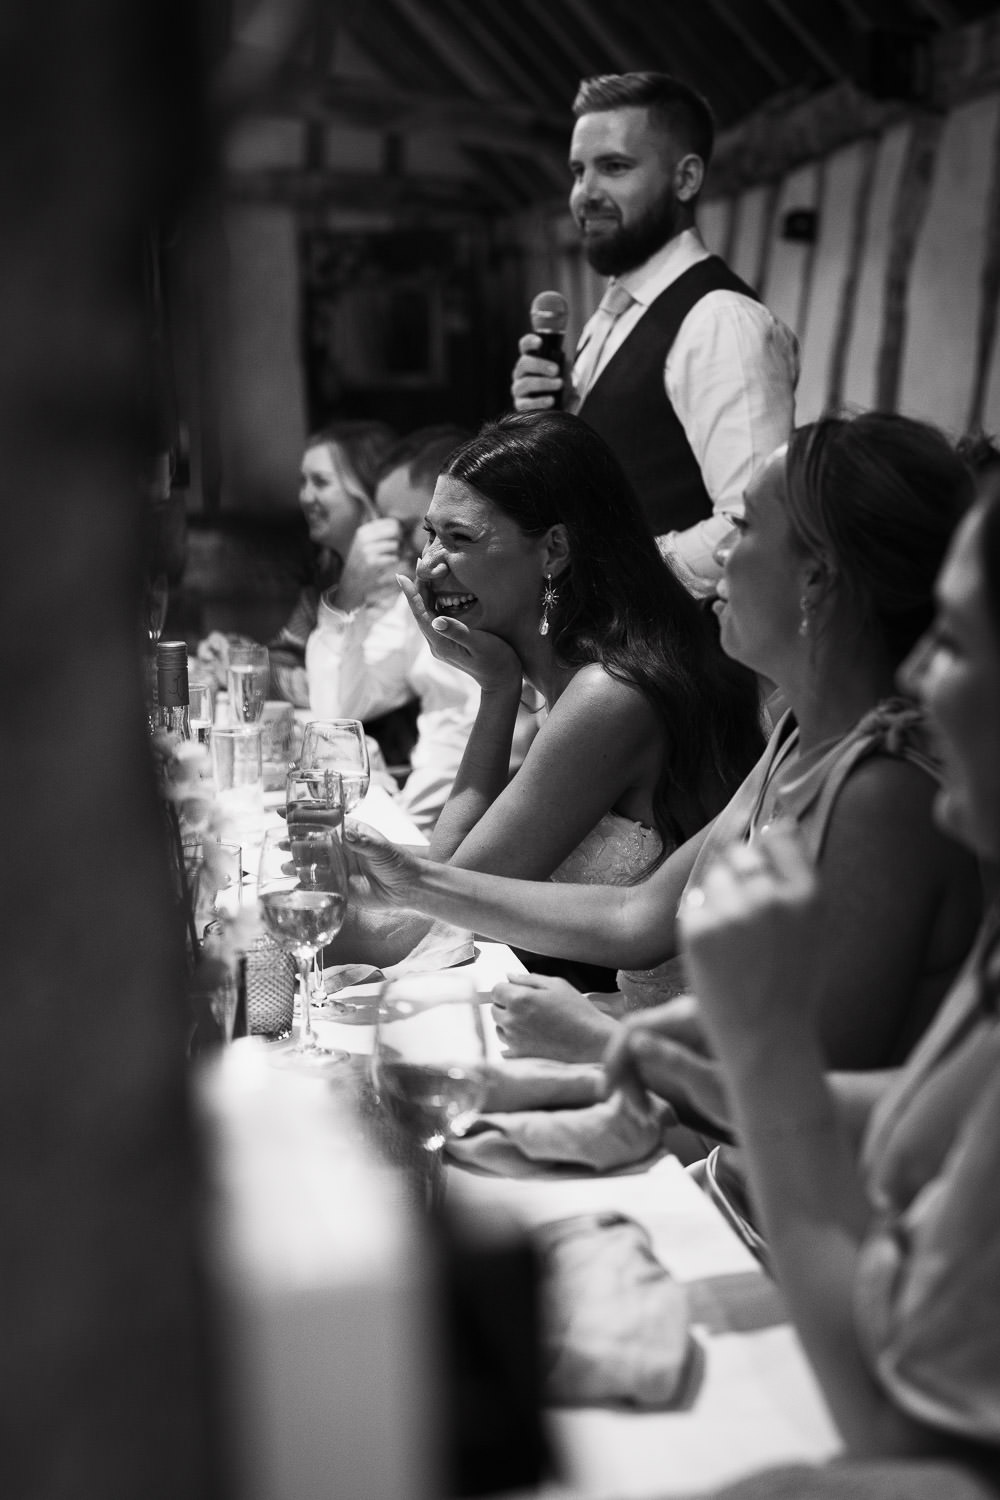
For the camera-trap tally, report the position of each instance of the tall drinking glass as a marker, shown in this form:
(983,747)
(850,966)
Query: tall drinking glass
(317,796)
(247,680)
(238,772)
(302,890)
(200,711)
(429,1059)
(339,745)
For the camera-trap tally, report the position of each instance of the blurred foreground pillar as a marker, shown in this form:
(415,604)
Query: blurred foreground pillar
(103,1370)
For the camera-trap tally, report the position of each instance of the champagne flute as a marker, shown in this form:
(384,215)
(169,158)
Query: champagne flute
(302,890)
(339,745)
(429,1060)
(248,677)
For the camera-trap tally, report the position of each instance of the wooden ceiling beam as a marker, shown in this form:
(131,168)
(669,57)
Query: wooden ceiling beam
(516,74)
(807,39)
(701,65)
(451,47)
(772,68)
(362,102)
(549,20)
(621,58)
(304,188)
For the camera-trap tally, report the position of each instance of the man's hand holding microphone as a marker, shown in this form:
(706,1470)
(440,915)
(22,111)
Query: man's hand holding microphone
(539,379)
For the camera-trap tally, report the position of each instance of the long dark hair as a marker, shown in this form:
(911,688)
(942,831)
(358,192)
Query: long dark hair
(620,604)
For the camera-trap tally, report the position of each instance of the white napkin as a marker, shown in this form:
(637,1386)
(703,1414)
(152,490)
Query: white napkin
(531,1131)
(615,1325)
(441,947)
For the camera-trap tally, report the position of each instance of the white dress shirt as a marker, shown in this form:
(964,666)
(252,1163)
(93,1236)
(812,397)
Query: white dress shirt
(730,376)
(363,664)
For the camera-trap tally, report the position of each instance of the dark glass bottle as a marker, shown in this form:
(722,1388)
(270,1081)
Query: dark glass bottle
(172,688)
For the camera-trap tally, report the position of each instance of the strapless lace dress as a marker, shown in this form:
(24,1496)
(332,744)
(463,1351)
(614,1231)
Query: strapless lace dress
(619,851)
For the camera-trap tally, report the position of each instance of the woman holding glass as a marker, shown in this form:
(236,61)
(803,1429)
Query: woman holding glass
(538,566)
(339,467)
(827,583)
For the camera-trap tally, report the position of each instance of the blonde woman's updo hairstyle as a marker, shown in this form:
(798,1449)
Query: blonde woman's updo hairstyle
(876,498)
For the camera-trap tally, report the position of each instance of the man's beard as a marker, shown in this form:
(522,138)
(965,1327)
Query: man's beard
(632,245)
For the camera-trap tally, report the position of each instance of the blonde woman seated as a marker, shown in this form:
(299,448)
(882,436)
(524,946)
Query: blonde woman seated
(537,565)
(827,583)
(336,484)
(887,1254)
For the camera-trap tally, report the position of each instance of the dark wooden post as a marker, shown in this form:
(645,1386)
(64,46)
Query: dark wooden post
(104,1381)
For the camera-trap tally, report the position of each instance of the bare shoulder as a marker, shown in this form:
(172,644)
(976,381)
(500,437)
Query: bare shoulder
(594,690)
(884,815)
(604,716)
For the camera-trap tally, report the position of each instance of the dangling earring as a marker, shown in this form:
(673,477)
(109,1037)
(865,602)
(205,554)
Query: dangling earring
(805,621)
(550,598)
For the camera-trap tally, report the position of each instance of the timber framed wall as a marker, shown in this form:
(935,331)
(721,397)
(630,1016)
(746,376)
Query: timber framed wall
(895,299)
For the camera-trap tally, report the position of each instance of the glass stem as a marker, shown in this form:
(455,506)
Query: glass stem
(305,999)
(434,1182)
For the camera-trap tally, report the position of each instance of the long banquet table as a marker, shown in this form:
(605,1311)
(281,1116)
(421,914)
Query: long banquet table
(755,1404)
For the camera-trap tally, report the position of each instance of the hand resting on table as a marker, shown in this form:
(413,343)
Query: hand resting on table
(537,1015)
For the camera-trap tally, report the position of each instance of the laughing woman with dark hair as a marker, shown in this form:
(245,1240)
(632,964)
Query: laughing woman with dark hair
(538,567)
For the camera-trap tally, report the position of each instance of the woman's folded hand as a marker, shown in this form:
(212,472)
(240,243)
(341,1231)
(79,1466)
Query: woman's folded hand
(648,1055)
(540,1016)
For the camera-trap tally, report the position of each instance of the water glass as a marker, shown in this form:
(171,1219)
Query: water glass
(429,1059)
(200,711)
(238,770)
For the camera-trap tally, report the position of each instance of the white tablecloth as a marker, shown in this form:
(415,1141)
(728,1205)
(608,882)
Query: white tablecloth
(757,1403)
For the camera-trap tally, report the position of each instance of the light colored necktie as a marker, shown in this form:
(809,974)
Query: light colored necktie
(615,301)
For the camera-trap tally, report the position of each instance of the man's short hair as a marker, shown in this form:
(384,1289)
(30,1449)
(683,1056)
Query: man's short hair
(678,108)
(423,452)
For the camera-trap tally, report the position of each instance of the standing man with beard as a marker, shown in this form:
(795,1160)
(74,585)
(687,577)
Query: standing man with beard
(682,370)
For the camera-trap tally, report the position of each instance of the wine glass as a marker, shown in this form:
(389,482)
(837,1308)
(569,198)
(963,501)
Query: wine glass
(339,745)
(302,891)
(317,796)
(248,677)
(429,1059)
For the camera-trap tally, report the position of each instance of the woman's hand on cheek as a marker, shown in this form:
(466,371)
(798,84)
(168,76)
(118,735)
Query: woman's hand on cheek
(486,658)
(749,934)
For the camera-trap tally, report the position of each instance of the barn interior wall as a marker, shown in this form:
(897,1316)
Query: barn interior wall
(894,301)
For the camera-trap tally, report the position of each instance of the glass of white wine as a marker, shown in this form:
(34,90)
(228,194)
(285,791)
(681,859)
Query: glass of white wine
(316,795)
(302,890)
(339,745)
(248,676)
(429,1059)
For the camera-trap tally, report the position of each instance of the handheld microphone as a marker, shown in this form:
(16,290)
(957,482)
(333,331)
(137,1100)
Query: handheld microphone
(549,316)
